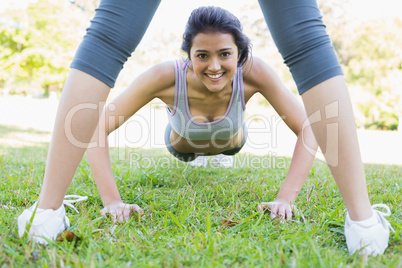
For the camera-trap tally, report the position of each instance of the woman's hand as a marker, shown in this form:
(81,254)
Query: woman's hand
(279,208)
(121,211)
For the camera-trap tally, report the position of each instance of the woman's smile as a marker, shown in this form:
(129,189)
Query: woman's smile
(214,57)
(215,77)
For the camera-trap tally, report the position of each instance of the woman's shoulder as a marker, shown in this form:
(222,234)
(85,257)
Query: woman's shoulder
(164,69)
(256,71)
(162,74)
(254,67)
(161,78)
(167,70)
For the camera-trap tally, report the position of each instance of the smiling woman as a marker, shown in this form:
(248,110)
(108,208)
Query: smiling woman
(214,67)
(208,96)
(205,97)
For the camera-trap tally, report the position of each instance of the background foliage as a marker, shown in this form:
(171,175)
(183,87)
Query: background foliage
(37,45)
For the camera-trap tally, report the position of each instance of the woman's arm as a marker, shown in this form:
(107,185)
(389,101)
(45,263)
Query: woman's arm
(265,80)
(142,90)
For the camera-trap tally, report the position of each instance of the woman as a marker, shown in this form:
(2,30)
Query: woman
(206,97)
(299,33)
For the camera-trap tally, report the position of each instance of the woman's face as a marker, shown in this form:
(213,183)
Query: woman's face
(214,59)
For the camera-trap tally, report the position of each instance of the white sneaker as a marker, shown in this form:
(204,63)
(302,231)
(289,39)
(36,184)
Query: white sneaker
(46,224)
(221,160)
(371,240)
(200,161)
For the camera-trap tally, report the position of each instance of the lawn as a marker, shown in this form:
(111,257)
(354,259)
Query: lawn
(194,216)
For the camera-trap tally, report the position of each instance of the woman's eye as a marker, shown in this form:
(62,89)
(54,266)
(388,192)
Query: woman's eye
(225,54)
(202,56)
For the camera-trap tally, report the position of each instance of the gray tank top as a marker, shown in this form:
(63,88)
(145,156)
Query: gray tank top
(222,129)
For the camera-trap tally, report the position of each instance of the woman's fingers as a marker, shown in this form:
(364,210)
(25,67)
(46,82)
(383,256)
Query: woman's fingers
(121,211)
(263,206)
(135,208)
(279,210)
(269,206)
(288,213)
(104,211)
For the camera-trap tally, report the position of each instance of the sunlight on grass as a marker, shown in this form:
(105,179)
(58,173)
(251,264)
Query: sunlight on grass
(17,136)
(187,211)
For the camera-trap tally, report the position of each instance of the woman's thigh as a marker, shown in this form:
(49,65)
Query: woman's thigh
(114,33)
(300,36)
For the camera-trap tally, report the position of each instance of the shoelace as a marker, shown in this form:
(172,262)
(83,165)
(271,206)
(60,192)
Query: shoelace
(384,214)
(69,202)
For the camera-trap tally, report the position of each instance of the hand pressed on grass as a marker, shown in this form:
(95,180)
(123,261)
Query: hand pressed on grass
(279,209)
(121,212)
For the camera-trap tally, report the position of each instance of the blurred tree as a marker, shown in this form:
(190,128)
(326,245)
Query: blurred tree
(370,52)
(37,45)
(374,61)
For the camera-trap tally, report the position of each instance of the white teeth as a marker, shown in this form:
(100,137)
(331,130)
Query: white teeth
(214,76)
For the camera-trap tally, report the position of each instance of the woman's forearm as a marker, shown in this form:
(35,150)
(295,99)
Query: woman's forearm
(99,161)
(300,166)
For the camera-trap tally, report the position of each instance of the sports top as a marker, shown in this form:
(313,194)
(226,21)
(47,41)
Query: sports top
(223,128)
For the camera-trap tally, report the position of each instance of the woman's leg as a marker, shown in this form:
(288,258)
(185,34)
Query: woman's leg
(115,31)
(300,35)
(77,117)
(336,134)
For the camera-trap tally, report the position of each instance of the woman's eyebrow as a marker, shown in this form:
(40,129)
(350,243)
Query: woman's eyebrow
(222,49)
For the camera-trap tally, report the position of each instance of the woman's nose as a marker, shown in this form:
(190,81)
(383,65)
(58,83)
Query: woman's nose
(214,65)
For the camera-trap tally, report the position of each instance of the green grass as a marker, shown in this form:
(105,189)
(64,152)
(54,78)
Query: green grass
(184,209)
